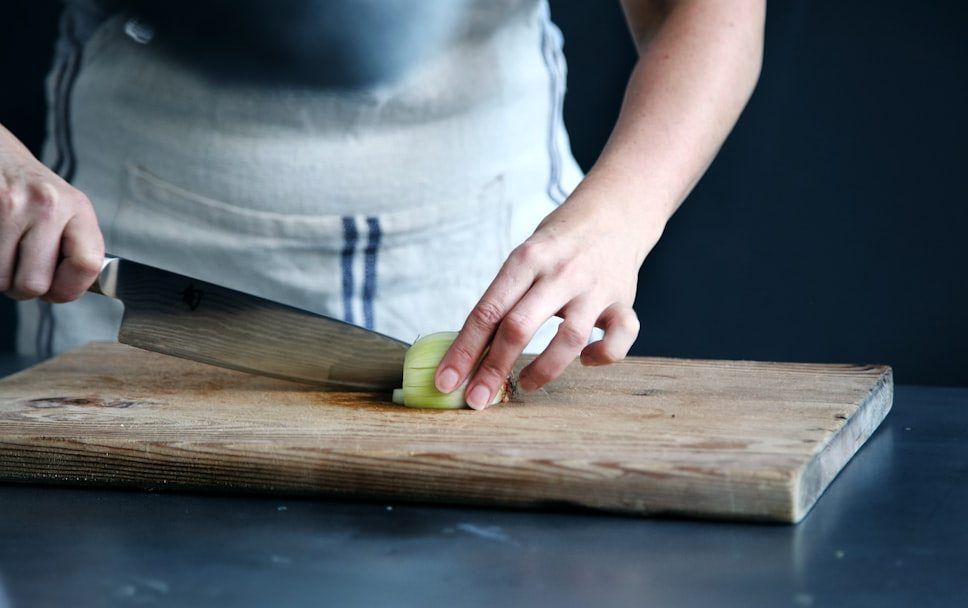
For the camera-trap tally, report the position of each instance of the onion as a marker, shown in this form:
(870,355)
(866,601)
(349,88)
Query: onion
(420,366)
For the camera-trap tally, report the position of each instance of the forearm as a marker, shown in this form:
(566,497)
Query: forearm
(690,84)
(582,263)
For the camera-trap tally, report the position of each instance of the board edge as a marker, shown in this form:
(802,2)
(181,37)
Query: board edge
(819,472)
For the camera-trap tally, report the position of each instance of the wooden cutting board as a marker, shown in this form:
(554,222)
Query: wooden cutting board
(722,439)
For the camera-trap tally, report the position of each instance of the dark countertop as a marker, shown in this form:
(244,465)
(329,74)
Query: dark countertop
(891,530)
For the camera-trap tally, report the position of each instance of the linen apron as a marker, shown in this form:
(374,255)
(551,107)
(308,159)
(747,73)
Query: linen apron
(390,206)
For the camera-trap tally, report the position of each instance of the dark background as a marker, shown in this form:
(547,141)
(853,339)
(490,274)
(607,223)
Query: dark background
(832,227)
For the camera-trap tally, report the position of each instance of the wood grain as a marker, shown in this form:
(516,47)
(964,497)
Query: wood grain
(721,439)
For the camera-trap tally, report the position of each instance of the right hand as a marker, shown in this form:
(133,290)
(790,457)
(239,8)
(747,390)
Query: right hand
(50,243)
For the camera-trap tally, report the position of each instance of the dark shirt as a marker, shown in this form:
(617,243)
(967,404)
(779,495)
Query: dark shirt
(342,43)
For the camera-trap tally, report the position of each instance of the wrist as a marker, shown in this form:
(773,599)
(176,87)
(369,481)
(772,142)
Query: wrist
(623,205)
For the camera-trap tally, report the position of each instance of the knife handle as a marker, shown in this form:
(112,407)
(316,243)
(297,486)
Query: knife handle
(106,283)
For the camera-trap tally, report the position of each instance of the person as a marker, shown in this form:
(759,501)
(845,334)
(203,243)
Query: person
(385,162)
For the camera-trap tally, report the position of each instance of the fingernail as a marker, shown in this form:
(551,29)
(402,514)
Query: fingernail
(447,380)
(478,397)
(526,384)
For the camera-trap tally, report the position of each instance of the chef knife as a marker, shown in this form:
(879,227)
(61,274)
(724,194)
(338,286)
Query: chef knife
(181,316)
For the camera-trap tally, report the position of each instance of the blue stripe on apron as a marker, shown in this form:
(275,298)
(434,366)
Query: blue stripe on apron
(369,280)
(350,237)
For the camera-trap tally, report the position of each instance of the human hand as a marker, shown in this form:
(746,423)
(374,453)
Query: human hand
(50,243)
(581,264)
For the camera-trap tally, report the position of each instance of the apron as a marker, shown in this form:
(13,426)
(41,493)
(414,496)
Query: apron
(390,206)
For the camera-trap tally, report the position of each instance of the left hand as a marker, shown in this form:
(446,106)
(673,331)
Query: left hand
(581,264)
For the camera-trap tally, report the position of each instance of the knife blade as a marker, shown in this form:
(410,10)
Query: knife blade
(177,315)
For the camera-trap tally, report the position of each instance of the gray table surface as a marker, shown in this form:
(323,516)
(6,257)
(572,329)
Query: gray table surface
(892,530)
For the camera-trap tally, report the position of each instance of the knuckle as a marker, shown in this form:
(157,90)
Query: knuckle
(564,265)
(14,200)
(8,202)
(490,372)
(516,328)
(44,192)
(631,320)
(529,253)
(464,357)
(44,207)
(87,265)
(572,337)
(487,314)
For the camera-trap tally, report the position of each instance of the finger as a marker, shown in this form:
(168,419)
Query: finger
(621,327)
(82,248)
(512,282)
(36,259)
(10,235)
(571,338)
(512,336)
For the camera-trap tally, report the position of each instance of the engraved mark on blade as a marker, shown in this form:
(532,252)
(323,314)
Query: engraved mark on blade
(192,296)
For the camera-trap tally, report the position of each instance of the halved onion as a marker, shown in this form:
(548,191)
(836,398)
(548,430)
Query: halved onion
(420,366)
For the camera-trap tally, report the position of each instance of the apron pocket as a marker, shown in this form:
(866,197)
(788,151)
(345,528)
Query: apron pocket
(287,258)
(402,273)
